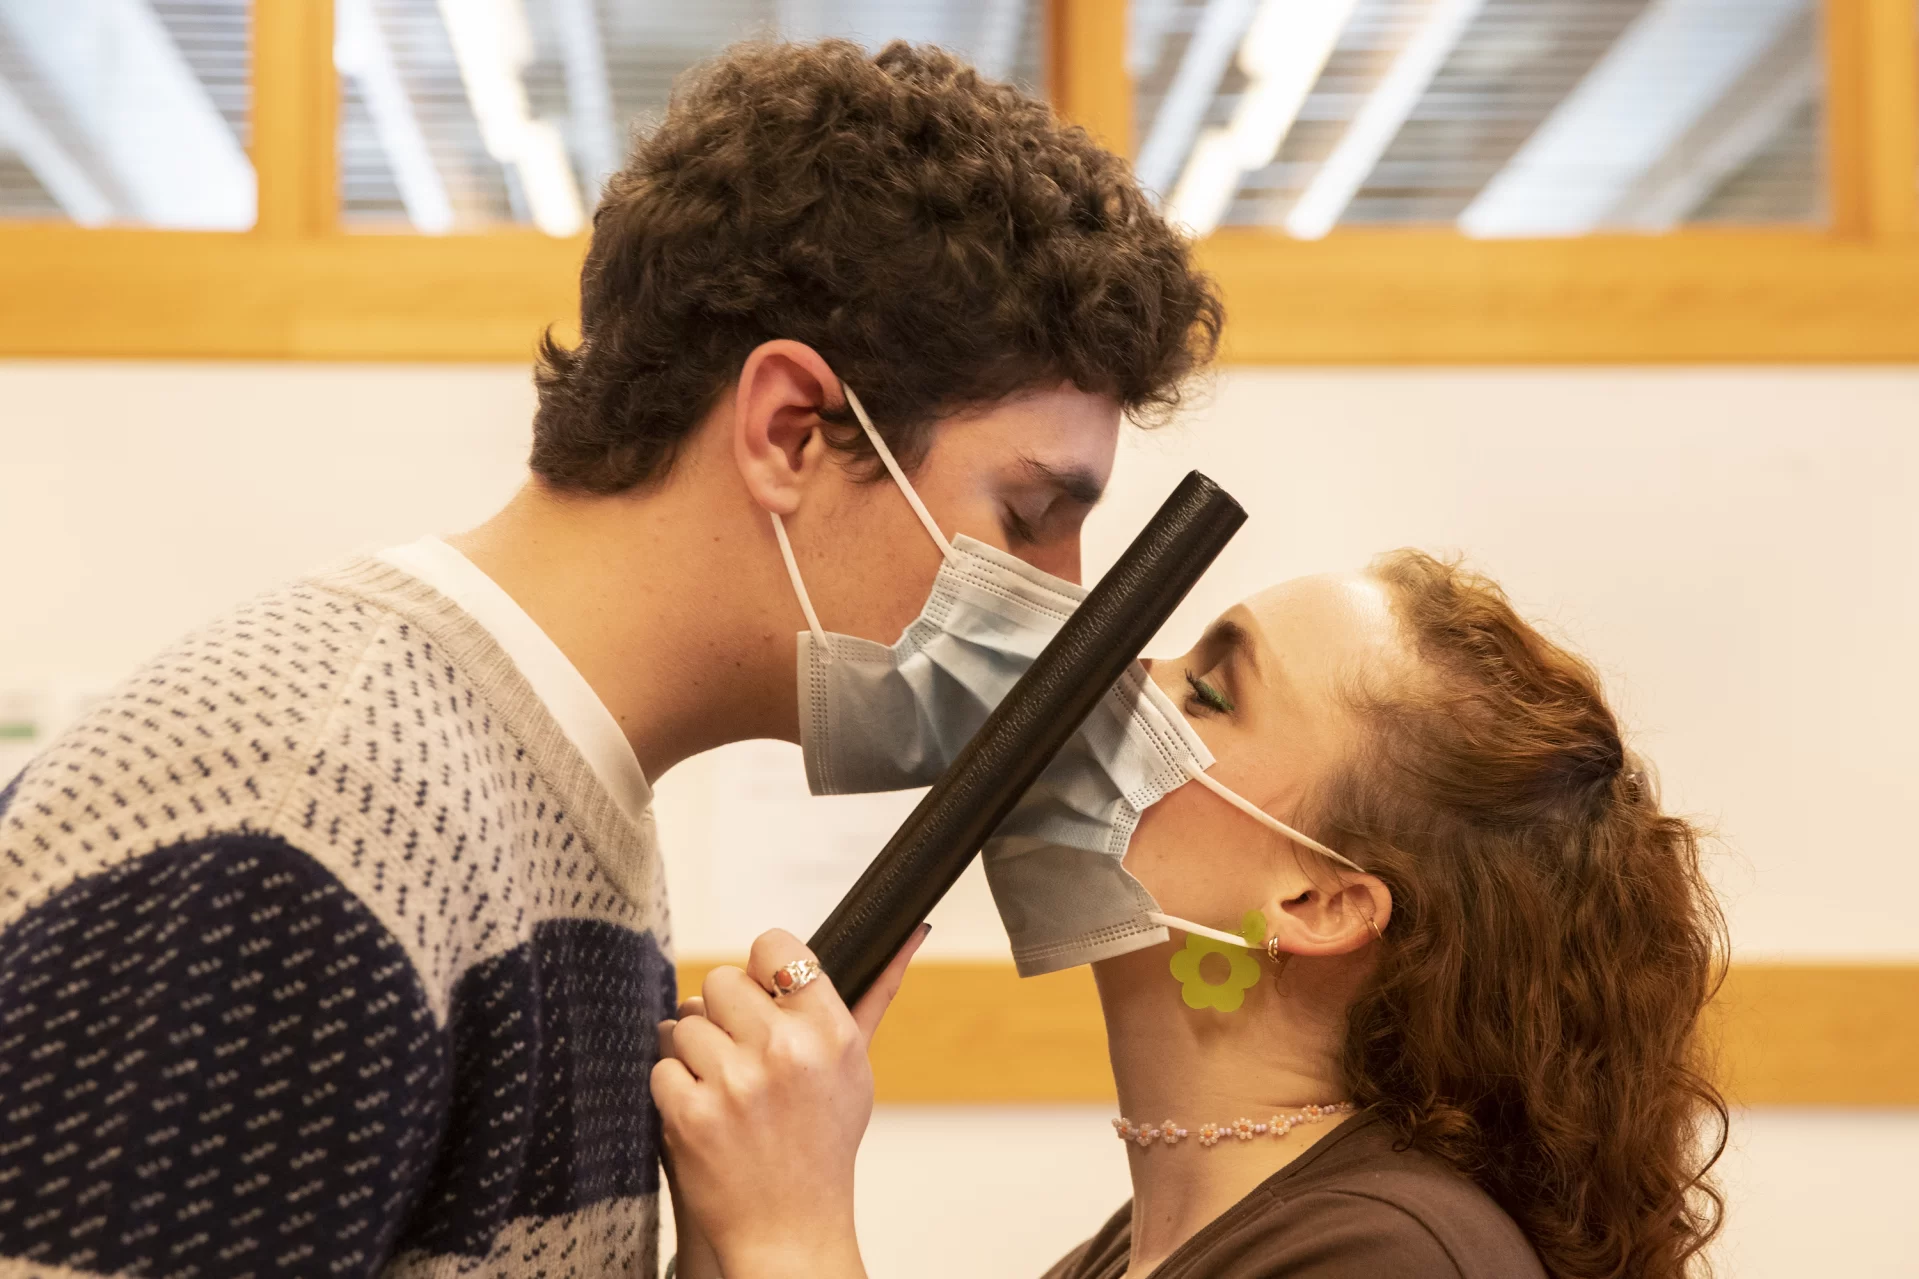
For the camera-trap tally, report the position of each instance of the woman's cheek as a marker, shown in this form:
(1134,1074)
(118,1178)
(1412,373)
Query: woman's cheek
(1149,859)
(1178,855)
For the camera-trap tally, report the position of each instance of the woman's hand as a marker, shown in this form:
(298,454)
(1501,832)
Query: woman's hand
(764,1103)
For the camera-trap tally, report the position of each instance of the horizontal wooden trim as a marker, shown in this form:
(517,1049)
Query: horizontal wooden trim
(1423,297)
(1787,1034)
(191,295)
(1392,297)
(1820,1034)
(978,1032)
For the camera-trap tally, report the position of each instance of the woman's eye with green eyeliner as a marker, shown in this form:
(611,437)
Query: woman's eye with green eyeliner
(1208,695)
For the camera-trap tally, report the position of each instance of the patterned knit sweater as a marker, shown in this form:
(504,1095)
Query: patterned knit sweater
(324,952)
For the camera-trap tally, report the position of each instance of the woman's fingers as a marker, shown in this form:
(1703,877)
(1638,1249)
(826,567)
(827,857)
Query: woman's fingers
(673,1085)
(737,1004)
(693,1006)
(775,949)
(736,1001)
(873,1004)
(810,1027)
(703,1047)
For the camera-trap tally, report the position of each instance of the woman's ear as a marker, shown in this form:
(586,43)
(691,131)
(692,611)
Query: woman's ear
(1338,920)
(777,441)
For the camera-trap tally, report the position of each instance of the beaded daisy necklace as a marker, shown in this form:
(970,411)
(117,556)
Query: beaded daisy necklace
(1171,1134)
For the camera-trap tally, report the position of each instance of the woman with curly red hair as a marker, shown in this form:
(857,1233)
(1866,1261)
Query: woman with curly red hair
(1463,1040)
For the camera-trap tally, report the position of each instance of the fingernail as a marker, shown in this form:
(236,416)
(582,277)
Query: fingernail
(925,929)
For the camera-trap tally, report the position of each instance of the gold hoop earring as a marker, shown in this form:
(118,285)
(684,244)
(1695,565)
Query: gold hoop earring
(1279,957)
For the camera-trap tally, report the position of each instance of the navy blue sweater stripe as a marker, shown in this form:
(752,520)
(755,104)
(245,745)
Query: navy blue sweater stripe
(553,1052)
(214,1060)
(215,1057)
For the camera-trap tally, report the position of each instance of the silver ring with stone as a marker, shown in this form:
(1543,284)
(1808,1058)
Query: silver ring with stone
(795,976)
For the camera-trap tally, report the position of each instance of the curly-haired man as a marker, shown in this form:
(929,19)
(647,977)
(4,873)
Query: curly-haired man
(335,942)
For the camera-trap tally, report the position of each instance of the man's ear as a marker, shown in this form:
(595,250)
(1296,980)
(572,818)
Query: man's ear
(777,440)
(1345,915)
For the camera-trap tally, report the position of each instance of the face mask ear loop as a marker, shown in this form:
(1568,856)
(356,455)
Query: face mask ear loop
(799,588)
(1187,925)
(893,468)
(1260,815)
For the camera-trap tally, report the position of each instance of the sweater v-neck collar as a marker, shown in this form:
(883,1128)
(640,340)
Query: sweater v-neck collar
(582,716)
(566,731)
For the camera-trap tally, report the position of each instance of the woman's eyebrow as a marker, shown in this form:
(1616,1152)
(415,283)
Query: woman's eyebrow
(1233,642)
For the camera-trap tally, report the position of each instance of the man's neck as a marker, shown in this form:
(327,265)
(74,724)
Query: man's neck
(1277,1053)
(629,588)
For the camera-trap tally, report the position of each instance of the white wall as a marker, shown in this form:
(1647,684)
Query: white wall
(1735,548)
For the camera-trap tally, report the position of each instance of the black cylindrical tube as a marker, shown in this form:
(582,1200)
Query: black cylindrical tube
(1019,739)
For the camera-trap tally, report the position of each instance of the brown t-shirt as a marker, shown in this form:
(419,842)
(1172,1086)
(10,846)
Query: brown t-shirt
(1350,1205)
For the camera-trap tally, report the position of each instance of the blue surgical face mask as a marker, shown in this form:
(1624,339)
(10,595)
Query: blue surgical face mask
(877,717)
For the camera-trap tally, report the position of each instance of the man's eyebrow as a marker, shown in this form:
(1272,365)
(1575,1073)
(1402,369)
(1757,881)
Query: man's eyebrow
(1076,482)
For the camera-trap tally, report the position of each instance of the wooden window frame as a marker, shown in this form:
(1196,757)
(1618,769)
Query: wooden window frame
(300,287)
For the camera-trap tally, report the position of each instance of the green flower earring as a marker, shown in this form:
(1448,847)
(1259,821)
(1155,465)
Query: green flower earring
(1242,969)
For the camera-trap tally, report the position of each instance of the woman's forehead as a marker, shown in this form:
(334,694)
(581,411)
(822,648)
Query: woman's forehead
(1327,620)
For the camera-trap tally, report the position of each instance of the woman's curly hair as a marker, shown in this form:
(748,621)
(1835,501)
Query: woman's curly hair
(1553,941)
(943,241)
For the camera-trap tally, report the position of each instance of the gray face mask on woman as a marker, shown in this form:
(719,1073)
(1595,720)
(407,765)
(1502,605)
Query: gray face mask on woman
(876,717)
(1056,865)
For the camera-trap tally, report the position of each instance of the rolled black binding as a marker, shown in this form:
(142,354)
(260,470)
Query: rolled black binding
(1019,739)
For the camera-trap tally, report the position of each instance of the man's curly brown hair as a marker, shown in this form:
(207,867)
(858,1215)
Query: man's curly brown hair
(943,241)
